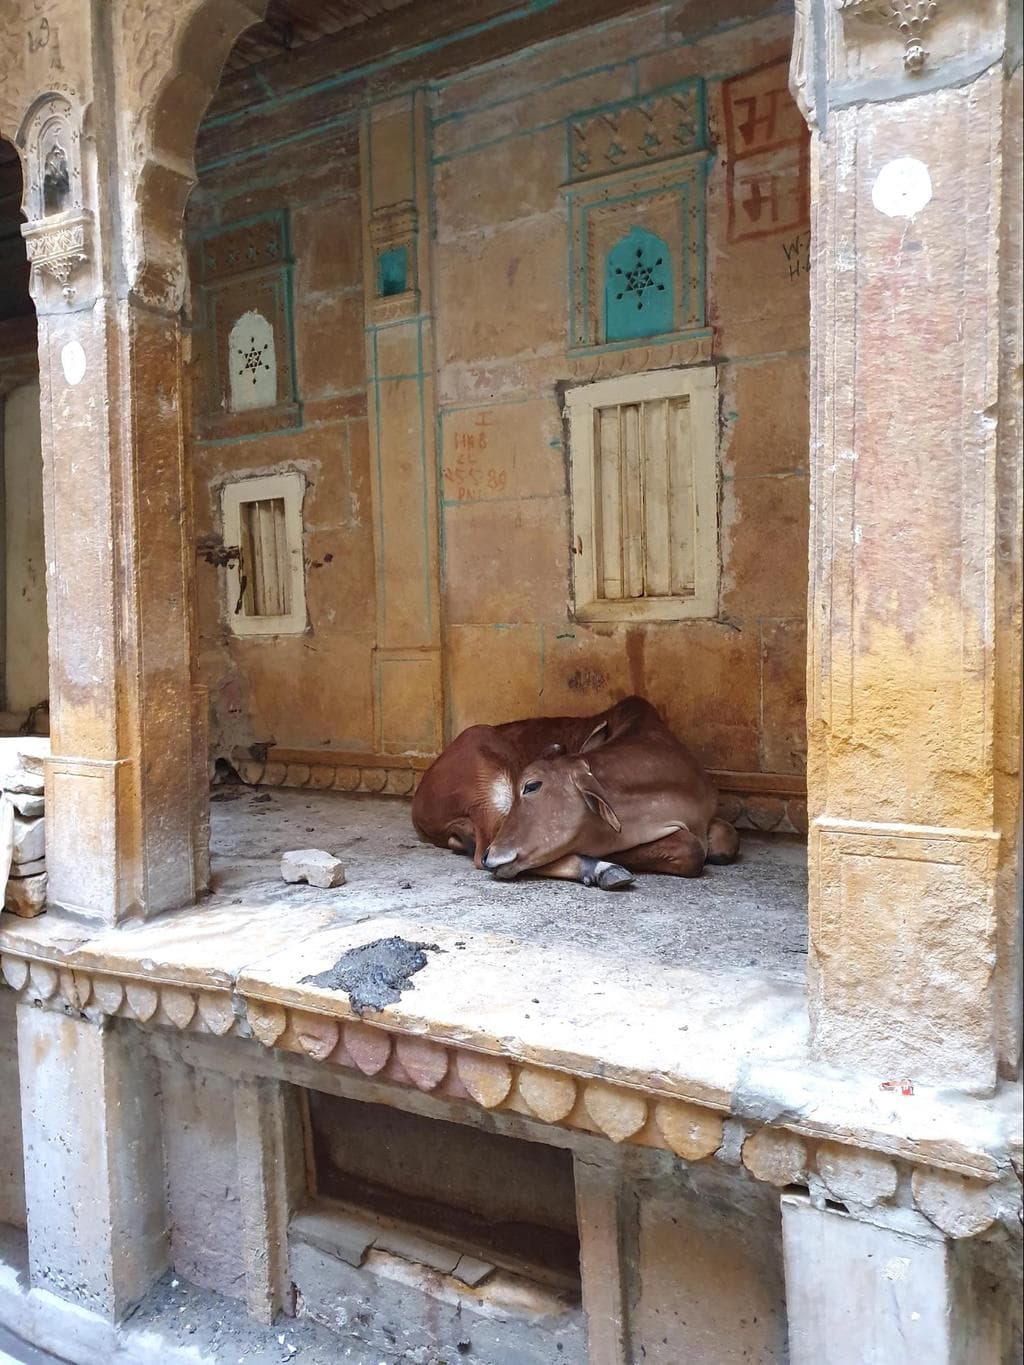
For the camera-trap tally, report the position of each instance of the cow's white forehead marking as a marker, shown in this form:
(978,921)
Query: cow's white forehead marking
(502,795)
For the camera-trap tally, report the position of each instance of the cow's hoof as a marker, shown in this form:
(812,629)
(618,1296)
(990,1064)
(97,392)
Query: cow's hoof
(611,877)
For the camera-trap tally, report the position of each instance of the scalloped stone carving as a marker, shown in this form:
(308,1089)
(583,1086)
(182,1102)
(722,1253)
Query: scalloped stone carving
(179,1005)
(488,1079)
(549,1094)
(216,1011)
(316,1034)
(618,1113)
(368,1047)
(425,1062)
(267,1021)
(692,1133)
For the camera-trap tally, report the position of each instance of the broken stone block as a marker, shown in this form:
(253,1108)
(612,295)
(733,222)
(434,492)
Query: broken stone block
(30,869)
(29,839)
(21,780)
(26,896)
(314,866)
(26,804)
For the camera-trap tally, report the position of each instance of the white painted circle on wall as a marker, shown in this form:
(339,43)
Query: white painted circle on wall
(902,188)
(72,359)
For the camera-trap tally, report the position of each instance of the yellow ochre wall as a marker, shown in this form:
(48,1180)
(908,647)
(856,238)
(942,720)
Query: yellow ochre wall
(733,686)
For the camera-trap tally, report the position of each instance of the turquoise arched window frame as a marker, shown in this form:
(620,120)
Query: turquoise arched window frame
(638,293)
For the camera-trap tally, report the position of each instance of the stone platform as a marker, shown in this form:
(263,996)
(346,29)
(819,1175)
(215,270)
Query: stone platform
(650,1016)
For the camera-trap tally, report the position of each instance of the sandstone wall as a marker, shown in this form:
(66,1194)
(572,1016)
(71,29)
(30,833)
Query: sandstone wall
(734,685)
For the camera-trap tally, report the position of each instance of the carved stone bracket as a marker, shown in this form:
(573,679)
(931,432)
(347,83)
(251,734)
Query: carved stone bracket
(961,1204)
(60,247)
(59,228)
(910,18)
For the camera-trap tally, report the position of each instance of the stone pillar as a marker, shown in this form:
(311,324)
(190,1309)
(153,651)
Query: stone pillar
(106,102)
(271,1186)
(400,373)
(94,1179)
(858,1291)
(120,799)
(599,1194)
(913,671)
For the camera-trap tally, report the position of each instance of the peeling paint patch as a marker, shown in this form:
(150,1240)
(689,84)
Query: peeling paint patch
(902,188)
(72,362)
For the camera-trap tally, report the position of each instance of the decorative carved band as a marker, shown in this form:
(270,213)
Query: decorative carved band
(782,1157)
(370,776)
(60,249)
(393,224)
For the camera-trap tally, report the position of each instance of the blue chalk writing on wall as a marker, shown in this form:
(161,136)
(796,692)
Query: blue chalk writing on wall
(638,287)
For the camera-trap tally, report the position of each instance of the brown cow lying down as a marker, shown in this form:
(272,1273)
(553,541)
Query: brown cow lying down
(560,796)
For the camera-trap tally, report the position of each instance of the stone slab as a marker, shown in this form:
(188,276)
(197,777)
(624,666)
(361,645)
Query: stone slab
(26,896)
(29,839)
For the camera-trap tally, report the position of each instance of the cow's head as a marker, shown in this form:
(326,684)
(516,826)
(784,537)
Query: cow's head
(557,805)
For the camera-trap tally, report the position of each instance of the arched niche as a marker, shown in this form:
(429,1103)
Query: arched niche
(638,293)
(52,141)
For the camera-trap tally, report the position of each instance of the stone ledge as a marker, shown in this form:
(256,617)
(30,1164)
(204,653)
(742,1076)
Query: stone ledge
(796,1123)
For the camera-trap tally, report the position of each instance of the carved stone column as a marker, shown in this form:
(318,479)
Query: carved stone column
(111,97)
(913,673)
(400,371)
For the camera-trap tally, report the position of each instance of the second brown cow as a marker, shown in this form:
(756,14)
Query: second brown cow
(592,799)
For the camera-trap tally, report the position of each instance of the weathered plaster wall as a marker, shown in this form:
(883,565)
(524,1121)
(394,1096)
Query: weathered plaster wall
(201,1164)
(734,684)
(310,690)
(722,1304)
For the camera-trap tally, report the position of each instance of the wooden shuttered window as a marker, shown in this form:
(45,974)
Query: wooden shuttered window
(264,573)
(645,496)
(265,564)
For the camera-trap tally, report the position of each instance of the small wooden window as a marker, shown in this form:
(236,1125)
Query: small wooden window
(645,496)
(263,533)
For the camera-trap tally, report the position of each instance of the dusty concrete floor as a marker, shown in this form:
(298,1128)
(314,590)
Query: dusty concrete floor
(176,1324)
(752,915)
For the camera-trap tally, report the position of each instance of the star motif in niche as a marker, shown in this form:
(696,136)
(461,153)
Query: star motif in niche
(252,359)
(640,279)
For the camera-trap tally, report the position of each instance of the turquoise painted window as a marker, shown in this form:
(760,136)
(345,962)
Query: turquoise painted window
(638,288)
(393,271)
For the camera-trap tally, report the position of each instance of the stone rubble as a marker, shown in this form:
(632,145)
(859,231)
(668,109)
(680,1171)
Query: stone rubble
(312,865)
(22,825)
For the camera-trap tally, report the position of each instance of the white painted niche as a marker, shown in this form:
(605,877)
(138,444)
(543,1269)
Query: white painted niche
(265,584)
(252,363)
(644,467)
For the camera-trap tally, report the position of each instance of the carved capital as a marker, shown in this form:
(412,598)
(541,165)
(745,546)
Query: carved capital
(909,18)
(59,251)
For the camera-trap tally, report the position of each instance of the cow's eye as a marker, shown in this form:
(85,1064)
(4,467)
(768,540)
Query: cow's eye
(532,787)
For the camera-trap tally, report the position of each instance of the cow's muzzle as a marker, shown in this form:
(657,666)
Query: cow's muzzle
(500,862)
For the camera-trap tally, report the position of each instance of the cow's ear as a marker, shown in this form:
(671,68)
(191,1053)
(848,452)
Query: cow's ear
(595,796)
(596,738)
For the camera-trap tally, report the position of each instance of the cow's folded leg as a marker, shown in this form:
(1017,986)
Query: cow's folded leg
(680,854)
(462,838)
(581,867)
